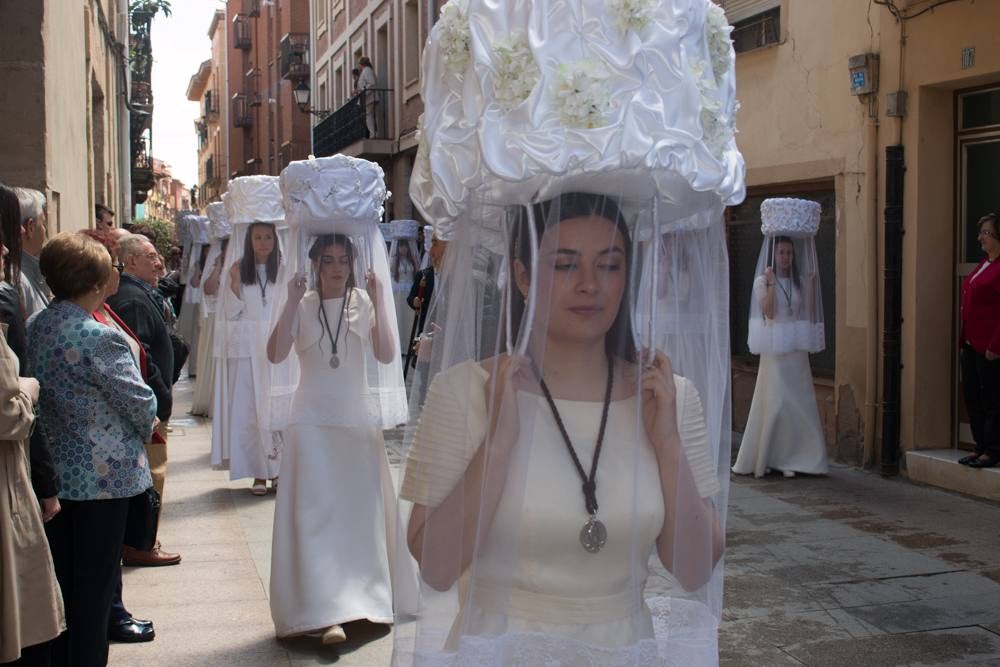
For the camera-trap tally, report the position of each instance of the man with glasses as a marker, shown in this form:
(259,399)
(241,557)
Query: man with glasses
(140,307)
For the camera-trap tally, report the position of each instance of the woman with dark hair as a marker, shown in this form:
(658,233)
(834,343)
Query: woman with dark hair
(241,441)
(330,566)
(11,309)
(980,354)
(544,478)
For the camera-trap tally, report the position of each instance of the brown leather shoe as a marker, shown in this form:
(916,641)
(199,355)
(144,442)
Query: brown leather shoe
(155,557)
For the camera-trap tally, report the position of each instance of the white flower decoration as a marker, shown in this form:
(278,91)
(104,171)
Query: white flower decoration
(632,14)
(454,37)
(517,71)
(717,30)
(581,93)
(718,124)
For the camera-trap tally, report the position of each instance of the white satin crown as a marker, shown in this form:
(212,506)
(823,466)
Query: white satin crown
(400,230)
(526,99)
(200,231)
(216,212)
(789,216)
(330,190)
(254,199)
(183,226)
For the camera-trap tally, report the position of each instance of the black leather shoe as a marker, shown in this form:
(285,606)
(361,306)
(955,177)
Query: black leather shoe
(132,632)
(988,462)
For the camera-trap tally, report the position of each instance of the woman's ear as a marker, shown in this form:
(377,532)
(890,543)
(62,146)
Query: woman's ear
(522,278)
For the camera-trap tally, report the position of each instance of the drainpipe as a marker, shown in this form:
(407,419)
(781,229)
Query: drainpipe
(874,312)
(892,310)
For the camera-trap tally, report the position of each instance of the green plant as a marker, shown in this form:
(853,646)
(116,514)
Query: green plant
(164,231)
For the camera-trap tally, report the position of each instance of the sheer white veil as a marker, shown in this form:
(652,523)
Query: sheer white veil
(577,156)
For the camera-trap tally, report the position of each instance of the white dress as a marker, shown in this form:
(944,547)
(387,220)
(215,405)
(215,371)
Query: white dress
(783,430)
(555,588)
(239,445)
(335,518)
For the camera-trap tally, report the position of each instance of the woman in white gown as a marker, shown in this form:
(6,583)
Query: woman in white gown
(242,442)
(330,561)
(783,430)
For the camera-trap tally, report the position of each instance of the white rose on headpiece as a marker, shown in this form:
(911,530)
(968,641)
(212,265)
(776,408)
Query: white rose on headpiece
(717,30)
(581,93)
(516,71)
(454,39)
(632,14)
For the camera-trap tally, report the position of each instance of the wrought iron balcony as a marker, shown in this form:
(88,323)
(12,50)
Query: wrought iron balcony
(251,8)
(364,116)
(757,31)
(210,105)
(242,33)
(242,115)
(294,56)
(142,94)
(252,87)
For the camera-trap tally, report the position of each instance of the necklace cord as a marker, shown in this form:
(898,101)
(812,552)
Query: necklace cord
(326,323)
(589,482)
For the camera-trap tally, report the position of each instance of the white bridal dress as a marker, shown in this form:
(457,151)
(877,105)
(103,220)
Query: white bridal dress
(783,430)
(239,444)
(335,517)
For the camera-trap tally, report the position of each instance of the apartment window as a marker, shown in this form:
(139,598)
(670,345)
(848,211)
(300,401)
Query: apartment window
(756,23)
(319,11)
(411,39)
(338,87)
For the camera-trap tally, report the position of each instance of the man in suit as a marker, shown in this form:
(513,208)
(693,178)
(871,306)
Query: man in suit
(139,305)
(422,290)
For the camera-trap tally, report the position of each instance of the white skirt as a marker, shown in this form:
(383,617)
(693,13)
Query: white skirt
(783,430)
(204,386)
(333,527)
(238,444)
(188,325)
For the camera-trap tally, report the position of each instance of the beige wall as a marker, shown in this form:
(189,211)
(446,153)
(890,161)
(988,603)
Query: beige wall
(799,122)
(52,56)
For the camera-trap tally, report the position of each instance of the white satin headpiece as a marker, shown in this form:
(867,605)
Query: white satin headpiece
(789,216)
(527,99)
(321,194)
(254,199)
(216,212)
(400,230)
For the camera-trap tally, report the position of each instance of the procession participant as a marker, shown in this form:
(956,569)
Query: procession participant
(560,461)
(246,428)
(189,318)
(403,262)
(338,316)
(783,430)
(208,283)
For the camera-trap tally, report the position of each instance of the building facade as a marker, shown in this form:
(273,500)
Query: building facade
(65,107)
(266,53)
(381,124)
(168,196)
(889,115)
(209,87)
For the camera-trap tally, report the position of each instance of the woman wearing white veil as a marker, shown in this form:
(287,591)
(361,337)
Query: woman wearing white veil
(196,244)
(331,564)
(248,414)
(404,259)
(201,402)
(783,429)
(567,499)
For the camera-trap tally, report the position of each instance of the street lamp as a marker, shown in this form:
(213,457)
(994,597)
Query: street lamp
(301,95)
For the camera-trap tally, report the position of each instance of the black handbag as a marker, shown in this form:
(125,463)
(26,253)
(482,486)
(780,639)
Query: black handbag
(143,520)
(181,351)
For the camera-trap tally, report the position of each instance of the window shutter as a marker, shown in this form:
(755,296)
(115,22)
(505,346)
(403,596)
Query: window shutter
(739,10)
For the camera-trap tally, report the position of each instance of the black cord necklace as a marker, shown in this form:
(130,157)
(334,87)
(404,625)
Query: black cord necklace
(594,534)
(334,359)
(787,292)
(263,285)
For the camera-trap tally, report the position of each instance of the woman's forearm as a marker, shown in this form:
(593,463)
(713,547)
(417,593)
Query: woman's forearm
(690,523)
(383,340)
(279,344)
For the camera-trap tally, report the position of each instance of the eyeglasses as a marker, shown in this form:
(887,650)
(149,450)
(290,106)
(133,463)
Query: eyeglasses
(986,232)
(119,266)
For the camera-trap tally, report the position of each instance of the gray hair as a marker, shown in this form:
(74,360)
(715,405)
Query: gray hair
(130,245)
(32,203)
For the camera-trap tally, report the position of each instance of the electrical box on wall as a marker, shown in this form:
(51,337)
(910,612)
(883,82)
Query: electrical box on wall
(895,104)
(864,73)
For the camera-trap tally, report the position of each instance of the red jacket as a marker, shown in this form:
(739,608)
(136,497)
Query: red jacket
(980,310)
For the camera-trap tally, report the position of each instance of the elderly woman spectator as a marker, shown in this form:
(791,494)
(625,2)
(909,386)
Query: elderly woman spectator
(31,607)
(97,413)
(34,232)
(980,354)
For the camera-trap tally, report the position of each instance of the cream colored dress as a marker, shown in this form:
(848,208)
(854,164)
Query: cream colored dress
(553,587)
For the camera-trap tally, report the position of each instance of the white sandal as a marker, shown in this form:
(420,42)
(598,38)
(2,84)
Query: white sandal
(259,488)
(333,635)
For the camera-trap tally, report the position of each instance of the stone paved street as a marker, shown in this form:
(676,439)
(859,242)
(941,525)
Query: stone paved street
(847,570)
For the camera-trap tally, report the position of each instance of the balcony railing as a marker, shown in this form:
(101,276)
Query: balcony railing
(242,32)
(210,106)
(757,31)
(142,94)
(365,116)
(252,88)
(251,7)
(242,116)
(294,56)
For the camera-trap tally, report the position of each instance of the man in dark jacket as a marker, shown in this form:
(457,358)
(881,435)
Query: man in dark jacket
(139,305)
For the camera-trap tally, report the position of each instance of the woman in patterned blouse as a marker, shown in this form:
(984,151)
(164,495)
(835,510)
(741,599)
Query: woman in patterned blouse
(97,412)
